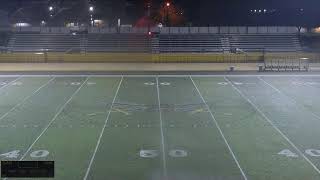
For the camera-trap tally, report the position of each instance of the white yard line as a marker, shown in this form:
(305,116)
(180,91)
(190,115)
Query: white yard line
(220,130)
(26,98)
(165,172)
(54,118)
(273,125)
(102,131)
(292,99)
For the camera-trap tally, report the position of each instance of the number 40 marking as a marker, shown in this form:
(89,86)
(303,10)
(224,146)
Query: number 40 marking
(34,154)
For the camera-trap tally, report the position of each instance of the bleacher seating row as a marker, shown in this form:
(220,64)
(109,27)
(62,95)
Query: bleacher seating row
(190,43)
(43,42)
(269,43)
(160,43)
(118,43)
(81,42)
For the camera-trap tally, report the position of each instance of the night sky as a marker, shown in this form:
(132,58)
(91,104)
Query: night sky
(199,12)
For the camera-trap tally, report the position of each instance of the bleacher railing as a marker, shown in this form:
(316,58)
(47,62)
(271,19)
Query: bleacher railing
(165,30)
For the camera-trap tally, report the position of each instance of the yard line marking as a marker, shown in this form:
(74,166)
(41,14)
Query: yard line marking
(11,82)
(162,134)
(102,131)
(292,99)
(273,125)
(26,98)
(54,118)
(220,130)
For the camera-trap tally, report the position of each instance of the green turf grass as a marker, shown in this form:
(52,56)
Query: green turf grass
(255,142)
(72,137)
(118,155)
(196,133)
(188,145)
(297,123)
(25,123)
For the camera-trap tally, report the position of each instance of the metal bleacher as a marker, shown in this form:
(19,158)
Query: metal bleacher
(190,43)
(83,43)
(165,40)
(118,43)
(226,42)
(265,42)
(43,42)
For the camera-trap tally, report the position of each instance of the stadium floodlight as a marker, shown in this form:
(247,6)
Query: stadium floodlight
(91,9)
(50,8)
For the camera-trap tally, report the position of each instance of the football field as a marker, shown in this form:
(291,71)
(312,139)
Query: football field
(216,127)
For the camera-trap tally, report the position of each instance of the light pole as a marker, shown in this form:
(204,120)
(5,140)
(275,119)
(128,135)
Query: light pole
(149,16)
(51,13)
(167,6)
(91,11)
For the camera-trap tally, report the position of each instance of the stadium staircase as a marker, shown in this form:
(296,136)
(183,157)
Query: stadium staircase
(155,45)
(225,44)
(83,43)
(11,43)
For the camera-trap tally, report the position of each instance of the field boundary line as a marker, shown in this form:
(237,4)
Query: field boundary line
(272,124)
(155,74)
(292,99)
(162,134)
(26,98)
(220,130)
(54,118)
(241,75)
(102,131)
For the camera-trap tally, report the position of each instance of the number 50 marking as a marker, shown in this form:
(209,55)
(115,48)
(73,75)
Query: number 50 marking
(154,153)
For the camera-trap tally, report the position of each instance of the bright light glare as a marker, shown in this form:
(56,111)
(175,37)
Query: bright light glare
(91,8)
(168,4)
(50,8)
